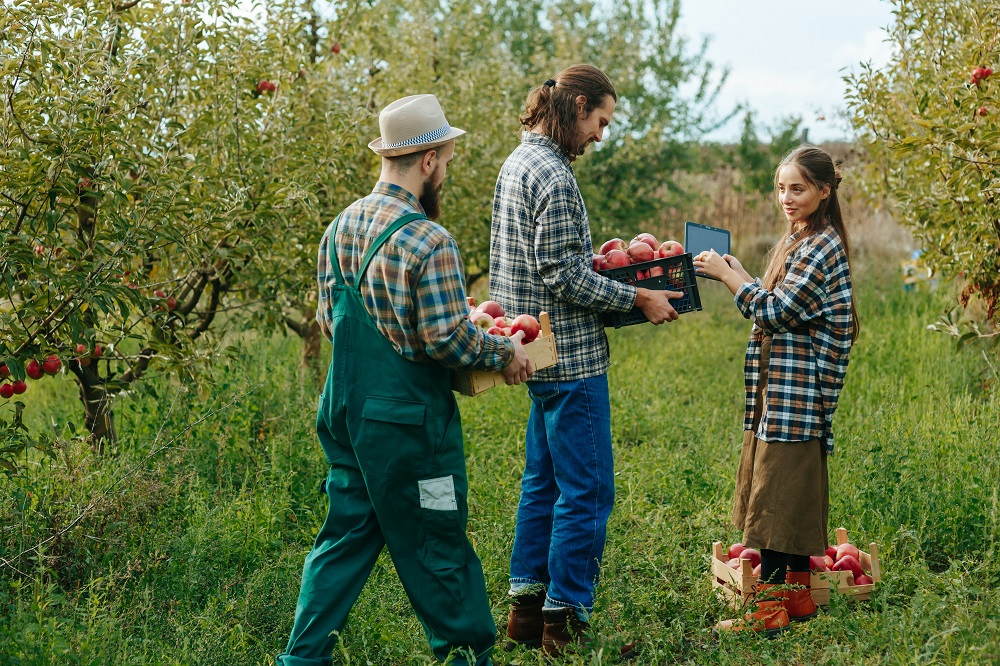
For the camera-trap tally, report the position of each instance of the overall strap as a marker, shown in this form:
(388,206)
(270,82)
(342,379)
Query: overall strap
(331,253)
(380,241)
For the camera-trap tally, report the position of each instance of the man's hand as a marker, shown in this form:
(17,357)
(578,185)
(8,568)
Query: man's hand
(520,368)
(655,304)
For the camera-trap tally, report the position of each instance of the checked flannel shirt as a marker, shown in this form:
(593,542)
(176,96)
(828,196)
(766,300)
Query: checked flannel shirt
(808,316)
(541,258)
(414,288)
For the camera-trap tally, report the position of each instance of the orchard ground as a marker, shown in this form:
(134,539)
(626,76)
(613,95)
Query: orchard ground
(195,557)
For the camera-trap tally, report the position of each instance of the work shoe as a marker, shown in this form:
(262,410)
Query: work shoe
(563,626)
(524,622)
(770,617)
(798,599)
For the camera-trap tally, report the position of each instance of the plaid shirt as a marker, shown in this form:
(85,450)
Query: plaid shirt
(414,287)
(808,316)
(541,257)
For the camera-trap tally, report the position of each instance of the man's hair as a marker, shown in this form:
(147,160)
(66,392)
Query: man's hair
(403,163)
(552,109)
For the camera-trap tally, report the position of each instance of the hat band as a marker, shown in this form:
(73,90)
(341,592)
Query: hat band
(427,137)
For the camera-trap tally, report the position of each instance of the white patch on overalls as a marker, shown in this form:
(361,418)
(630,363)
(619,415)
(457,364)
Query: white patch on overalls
(438,494)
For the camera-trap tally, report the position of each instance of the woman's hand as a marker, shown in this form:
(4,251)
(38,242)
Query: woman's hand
(726,269)
(711,264)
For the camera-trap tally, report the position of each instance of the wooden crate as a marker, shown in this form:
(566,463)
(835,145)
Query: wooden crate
(739,584)
(541,351)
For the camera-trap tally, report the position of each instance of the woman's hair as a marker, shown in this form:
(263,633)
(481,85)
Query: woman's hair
(552,108)
(817,168)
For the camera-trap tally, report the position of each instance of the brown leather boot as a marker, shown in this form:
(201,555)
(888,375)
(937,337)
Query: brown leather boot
(524,623)
(769,618)
(563,626)
(798,599)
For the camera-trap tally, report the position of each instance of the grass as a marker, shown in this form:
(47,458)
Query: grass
(193,532)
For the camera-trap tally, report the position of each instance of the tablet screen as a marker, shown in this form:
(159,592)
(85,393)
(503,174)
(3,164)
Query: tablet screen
(699,238)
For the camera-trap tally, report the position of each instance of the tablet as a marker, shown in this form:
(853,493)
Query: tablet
(700,237)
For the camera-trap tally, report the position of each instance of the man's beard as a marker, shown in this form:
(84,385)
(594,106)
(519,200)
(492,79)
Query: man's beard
(430,199)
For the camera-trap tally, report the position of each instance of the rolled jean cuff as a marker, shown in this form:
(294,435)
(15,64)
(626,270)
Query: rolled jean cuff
(581,612)
(523,585)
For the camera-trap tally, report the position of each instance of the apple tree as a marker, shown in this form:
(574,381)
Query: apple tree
(162,168)
(929,119)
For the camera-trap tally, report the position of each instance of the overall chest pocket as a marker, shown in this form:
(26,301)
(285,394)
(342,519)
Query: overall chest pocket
(393,437)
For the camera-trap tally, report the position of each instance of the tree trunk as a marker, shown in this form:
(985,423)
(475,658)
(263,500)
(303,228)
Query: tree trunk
(308,329)
(99,418)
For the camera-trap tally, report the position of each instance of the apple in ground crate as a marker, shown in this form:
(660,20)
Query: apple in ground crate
(863,579)
(751,554)
(849,563)
(817,563)
(735,550)
(845,549)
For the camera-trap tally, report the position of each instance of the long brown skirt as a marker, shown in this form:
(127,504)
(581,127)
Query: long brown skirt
(782,498)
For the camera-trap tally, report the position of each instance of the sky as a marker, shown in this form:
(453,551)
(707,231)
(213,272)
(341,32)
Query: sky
(788,57)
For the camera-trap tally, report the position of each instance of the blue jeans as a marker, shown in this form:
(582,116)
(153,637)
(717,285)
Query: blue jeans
(567,492)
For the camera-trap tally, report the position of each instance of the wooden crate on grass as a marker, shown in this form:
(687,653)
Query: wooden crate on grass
(541,351)
(737,585)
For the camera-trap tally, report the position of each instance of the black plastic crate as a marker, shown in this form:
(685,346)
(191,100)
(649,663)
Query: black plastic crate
(678,275)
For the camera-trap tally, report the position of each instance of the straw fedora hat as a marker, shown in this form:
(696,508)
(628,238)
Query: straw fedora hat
(412,124)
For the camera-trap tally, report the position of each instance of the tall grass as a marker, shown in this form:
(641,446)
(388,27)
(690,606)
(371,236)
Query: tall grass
(187,543)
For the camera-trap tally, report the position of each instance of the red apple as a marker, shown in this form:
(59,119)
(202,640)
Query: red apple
(828,561)
(733,563)
(81,348)
(98,351)
(756,571)
(655,271)
(648,239)
(670,248)
(51,365)
(528,324)
(335,48)
(598,262)
(831,551)
(845,549)
(6,391)
(159,293)
(751,554)
(171,303)
(863,579)
(613,244)
(639,252)
(616,259)
(4,371)
(983,111)
(495,330)
(482,320)
(816,563)
(500,321)
(492,308)
(736,549)
(34,369)
(19,387)
(849,563)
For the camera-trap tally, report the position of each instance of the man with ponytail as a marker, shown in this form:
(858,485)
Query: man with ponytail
(804,323)
(541,259)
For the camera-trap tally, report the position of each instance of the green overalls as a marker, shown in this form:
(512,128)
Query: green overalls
(392,434)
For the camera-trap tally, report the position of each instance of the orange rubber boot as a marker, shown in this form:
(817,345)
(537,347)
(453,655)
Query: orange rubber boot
(770,617)
(798,600)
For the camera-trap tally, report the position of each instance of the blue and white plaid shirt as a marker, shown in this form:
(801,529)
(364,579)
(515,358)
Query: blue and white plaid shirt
(808,316)
(541,258)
